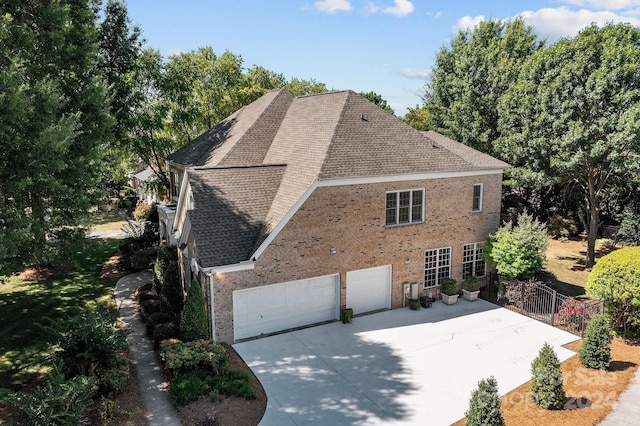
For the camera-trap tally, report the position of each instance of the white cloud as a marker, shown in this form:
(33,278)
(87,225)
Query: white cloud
(604,4)
(173,51)
(421,73)
(467,23)
(399,8)
(563,22)
(333,6)
(371,8)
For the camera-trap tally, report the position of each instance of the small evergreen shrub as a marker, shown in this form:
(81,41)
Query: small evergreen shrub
(596,346)
(194,324)
(167,279)
(484,406)
(546,381)
(148,308)
(561,227)
(179,358)
(187,388)
(449,286)
(236,383)
(147,295)
(141,212)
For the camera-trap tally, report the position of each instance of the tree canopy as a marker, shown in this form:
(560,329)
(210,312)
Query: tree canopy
(573,116)
(471,74)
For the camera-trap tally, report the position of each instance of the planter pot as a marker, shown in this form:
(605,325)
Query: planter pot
(414,304)
(450,300)
(346,315)
(470,295)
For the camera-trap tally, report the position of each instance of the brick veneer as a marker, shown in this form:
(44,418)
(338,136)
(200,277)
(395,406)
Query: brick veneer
(352,219)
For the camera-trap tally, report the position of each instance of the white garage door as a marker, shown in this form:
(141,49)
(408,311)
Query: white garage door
(278,307)
(369,289)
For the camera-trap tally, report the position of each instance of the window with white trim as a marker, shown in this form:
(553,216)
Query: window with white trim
(477,198)
(437,265)
(473,263)
(175,185)
(404,207)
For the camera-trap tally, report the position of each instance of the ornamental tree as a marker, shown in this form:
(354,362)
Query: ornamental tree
(517,251)
(484,406)
(193,321)
(615,280)
(546,380)
(595,351)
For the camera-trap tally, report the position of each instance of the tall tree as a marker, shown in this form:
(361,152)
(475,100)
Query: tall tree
(574,117)
(54,117)
(378,100)
(471,75)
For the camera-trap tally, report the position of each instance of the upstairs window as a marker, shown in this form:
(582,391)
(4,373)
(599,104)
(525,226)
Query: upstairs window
(477,197)
(175,185)
(405,207)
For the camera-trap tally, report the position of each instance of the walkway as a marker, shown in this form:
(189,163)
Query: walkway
(153,388)
(627,410)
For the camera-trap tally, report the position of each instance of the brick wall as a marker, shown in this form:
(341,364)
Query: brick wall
(351,219)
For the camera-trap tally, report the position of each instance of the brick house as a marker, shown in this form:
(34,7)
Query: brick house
(295,206)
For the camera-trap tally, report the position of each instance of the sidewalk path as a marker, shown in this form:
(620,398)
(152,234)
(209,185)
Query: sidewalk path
(153,388)
(627,410)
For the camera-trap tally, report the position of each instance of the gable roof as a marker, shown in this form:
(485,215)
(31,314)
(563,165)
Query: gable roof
(287,143)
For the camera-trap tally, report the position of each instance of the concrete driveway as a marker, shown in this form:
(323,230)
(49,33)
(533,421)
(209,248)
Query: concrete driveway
(398,367)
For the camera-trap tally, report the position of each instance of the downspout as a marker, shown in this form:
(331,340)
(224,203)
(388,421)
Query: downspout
(212,309)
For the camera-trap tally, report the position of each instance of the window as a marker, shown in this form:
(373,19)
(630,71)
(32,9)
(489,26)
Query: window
(472,260)
(404,207)
(437,265)
(175,184)
(477,197)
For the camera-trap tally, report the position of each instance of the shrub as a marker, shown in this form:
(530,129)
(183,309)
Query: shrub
(88,340)
(165,331)
(615,280)
(570,312)
(193,321)
(236,383)
(484,406)
(517,251)
(561,227)
(155,319)
(147,295)
(629,231)
(187,388)
(182,357)
(142,259)
(167,273)
(449,286)
(471,283)
(149,307)
(596,346)
(57,401)
(112,378)
(141,212)
(546,381)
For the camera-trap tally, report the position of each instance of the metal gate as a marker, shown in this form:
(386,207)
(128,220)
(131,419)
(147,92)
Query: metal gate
(539,301)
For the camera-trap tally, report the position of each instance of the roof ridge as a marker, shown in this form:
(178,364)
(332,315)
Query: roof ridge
(202,168)
(253,125)
(350,93)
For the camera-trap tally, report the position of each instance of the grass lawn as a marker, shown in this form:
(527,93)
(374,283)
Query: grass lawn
(107,220)
(26,302)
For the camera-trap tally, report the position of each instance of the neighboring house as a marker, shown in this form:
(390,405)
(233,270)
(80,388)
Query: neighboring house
(295,206)
(143,183)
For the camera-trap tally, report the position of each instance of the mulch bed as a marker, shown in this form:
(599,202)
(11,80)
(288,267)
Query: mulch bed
(590,393)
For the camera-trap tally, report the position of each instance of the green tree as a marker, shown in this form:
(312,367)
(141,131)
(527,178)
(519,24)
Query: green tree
(595,351)
(193,321)
(300,87)
(54,123)
(517,251)
(378,100)
(484,406)
(471,75)
(546,380)
(615,280)
(417,117)
(167,283)
(573,117)
(629,231)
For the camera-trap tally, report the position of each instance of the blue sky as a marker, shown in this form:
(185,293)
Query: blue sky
(385,46)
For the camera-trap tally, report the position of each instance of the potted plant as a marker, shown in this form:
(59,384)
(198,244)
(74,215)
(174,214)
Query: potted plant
(449,290)
(414,304)
(471,288)
(346,315)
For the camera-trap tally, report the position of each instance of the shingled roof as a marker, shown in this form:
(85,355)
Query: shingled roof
(250,170)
